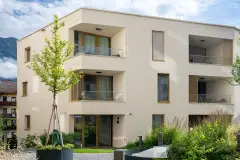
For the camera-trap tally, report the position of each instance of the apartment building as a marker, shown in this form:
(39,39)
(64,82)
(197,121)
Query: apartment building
(8,91)
(140,72)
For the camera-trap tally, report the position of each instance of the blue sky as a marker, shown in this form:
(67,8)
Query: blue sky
(19,18)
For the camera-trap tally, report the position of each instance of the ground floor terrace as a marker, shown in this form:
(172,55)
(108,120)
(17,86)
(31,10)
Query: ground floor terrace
(107,131)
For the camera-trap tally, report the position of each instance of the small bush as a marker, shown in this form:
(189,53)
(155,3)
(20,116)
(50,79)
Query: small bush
(170,134)
(208,141)
(30,141)
(68,138)
(51,147)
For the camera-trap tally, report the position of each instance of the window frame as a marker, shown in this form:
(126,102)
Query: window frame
(24,84)
(27,123)
(74,91)
(163,118)
(27,54)
(90,34)
(164,101)
(161,60)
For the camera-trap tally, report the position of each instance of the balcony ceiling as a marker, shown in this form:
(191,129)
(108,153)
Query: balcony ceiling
(208,41)
(107,31)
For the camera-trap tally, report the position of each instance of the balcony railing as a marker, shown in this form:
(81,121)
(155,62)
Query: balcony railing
(7,103)
(210,59)
(12,127)
(9,115)
(102,96)
(210,98)
(98,51)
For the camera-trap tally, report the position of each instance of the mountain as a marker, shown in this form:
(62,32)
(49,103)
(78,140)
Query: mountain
(8,58)
(8,48)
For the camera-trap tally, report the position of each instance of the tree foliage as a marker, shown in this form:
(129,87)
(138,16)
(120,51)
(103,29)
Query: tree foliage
(49,64)
(236,67)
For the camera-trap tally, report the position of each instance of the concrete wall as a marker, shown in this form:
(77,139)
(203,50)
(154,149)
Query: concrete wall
(137,68)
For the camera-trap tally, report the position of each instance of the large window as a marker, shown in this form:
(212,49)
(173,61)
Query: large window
(163,87)
(87,43)
(93,87)
(24,89)
(158,45)
(157,120)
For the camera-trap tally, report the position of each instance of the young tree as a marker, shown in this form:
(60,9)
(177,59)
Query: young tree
(49,67)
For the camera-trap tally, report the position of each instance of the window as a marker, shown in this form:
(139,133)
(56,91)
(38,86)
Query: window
(24,86)
(27,122)
(163,87)
(13,99)
(93,87)
(157,120)
(4,98)
(158,45)
(4,111)
(91,44)
(27,54)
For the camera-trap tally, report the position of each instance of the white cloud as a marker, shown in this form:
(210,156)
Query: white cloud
(8,68)
(18,19)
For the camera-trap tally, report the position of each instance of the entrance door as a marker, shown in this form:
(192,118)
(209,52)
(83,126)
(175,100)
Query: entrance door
(90,131)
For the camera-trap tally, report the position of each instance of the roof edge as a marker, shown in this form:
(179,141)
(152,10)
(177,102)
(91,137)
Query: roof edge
(133,14)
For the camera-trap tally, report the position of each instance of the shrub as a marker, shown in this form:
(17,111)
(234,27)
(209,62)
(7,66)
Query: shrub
(132,145)
(51,147)
(208,141)
(170,134)
(30,141)
(68,138)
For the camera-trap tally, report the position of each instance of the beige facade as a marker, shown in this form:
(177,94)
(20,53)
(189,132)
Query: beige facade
(134,71)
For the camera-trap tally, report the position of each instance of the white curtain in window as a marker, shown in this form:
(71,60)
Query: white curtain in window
(89,44)
(163,87)
(104,46)
(105,87)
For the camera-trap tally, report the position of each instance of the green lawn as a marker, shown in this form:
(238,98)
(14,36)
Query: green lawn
(89,150)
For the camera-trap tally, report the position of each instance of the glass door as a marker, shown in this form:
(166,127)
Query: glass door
(105,130)
(90,131)
(78,128)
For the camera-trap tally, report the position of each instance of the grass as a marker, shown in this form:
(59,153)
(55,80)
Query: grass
(92,150)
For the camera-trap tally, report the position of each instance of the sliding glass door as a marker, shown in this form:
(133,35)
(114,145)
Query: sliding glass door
(105,130)
(93,87)
(93,130)
(88,43)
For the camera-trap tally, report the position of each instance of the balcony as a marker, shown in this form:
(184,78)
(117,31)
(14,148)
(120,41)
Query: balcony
(206,89)
(12,127)
(210,98)
(210,60)
(99,51)
(210,50)
(102,96)
(99,87)
(8,103)
(9,115)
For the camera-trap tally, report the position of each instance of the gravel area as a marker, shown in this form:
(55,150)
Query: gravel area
(31,155)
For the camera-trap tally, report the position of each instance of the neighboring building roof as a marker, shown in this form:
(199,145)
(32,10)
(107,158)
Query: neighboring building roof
(8,87)
(139,15)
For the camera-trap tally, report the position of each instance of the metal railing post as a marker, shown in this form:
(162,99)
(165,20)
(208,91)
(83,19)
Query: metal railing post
(160,139)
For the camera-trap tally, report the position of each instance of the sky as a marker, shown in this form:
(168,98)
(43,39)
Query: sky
(19,18)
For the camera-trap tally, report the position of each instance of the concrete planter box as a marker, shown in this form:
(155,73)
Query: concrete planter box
(64,154)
